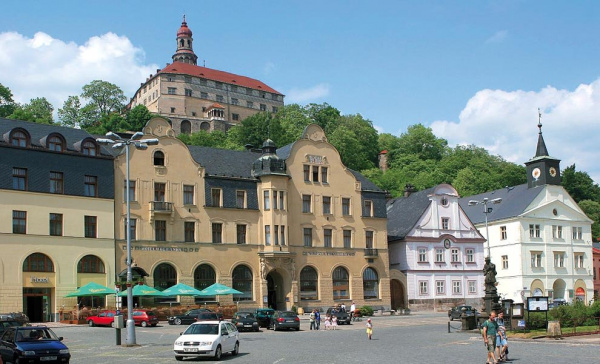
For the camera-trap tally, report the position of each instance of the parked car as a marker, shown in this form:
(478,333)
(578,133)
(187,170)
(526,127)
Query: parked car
(455,313)
(342,316)
(28,344)
(284,320)
(245,321)
(6,323)
(557,302)
(263,316)
(209,316)
(207,338)
(145,318)
(104,318)
(187,318)
(17,316)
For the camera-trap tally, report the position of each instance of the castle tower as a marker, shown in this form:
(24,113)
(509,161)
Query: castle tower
(542,169)
(185,51)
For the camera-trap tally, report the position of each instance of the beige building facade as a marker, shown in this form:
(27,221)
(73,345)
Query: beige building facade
(286,227)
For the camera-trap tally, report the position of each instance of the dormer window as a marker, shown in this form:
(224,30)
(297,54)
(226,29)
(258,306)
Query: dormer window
(159,158)
(89,148)
(19,139)
(56,143)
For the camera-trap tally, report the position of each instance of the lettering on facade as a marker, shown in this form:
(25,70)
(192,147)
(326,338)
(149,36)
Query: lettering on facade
(40,280)
(316,159)
(164,249)
(338,254)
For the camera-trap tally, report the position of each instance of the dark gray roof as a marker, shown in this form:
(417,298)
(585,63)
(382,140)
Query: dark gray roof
(514,202)
(404,212)
(40,131)
(284,152)
(366,185)
(225,162)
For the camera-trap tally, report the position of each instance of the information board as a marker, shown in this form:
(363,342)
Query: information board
(539,304)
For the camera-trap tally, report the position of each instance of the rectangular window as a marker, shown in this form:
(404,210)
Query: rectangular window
(346,206)
(422,255)
(219,98)
(369,239)
(241,234)
(56,224)
(347,239)
(315,173)
(579,260)
(132,224)
(502,232)
(215,195)
(91,225)
(557,231)
(56,182)
(171,90)
(189,231)
(534,230)
(240,199)
(249,104)
(536,259)
(455,255)
(306,173)
(440,287)
(159,192)
(306,202)
(505,262)
(368,208)
(90,186)
(423,291)
(470,255)
(267,201)
(282,234)
(307,236)
(172,110)
(19,222)
(234,101)
(188,194)
(160,230)
(267,234)
(577,233)
(472,287)
(275,109)
(559,259)
(456,287)
(326,205)
(324,178)
(217,233)
(131,191)
(235,116)
(275,193)
(204,95)
(281,199)
(19,179)
(439,255)
(445,223)
(188,92)
(327,236)
(276,234)
(203,82)
(263,107)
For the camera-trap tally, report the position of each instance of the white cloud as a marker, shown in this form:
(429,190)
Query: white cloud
(505,123)
(43,66)
(269,66)
(311,94)
(498,37)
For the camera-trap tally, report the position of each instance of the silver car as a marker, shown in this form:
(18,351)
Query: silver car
(207,338)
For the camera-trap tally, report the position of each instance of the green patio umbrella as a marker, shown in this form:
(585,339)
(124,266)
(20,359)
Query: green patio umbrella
(181,289)
(142,290)
(218,289)
(91,289)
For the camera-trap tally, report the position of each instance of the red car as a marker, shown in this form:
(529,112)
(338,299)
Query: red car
(145,318)
(104,318)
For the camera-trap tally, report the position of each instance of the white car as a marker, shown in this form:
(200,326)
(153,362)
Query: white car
(207,338)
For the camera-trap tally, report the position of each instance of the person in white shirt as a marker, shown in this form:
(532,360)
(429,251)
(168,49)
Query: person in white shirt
(352,309)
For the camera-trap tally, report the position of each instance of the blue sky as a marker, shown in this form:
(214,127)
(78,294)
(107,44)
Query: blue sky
(474,71)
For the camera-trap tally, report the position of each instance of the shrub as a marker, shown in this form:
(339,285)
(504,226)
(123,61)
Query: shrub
(366,311)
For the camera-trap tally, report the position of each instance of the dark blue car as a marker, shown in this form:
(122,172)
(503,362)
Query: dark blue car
(33,344)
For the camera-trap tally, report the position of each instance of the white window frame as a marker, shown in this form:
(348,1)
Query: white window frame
(439,255)
(422,255)
(440,288)
(472,287)
(455,255)
(456,287)
(536,259)
(423,288)
(470,253)
(505,262)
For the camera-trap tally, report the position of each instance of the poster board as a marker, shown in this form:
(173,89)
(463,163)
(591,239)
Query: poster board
(537,304)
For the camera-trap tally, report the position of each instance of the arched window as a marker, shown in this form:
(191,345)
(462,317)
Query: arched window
(19,138)
(38,262)
(165,276)
(56,143)
(341,284)
(89,148)
(242,281)
(90,264)
(309,284)
(205,126)
(159,158)
(186,127)
(370,283)
(204,277)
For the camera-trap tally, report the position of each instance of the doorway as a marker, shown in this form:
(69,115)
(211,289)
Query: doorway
(275,291)
(397,291)
(36,304)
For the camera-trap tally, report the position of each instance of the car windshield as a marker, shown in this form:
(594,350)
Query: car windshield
(202,329)
(35,333)
(244,315)
(288,314)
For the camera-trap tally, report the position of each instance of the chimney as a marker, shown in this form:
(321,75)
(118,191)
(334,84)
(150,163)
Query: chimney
(408,189)
(383,160)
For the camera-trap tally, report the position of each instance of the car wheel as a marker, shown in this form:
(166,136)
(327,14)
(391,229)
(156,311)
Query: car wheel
(154,325)
(178,358)
(112,324)
(451,318)
(297,329)
(236,348)
(144,324)
(177,321)
(275,328)
(257,329)
(218,353)
(91,323)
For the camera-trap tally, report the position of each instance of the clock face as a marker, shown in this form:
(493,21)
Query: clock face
(552,171)
(536,173)
(447,243)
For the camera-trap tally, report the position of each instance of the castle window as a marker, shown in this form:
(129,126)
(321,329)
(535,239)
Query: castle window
(249,104)
(263,107)
(188,92)
(171,90)
(235,116)
(219,98)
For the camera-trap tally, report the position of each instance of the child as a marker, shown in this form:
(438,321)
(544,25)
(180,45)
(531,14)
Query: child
(369,329)
(334,322)
(327,322)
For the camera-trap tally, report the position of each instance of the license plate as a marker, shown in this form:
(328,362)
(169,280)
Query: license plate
(247,325)
(47,358)
(190,350)
(289,320)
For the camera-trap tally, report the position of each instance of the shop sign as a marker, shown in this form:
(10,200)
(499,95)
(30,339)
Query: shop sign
(337,254)
(39,279)
(163,249)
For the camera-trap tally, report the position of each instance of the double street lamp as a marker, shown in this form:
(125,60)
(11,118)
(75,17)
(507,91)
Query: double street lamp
(117,142)
(486,211)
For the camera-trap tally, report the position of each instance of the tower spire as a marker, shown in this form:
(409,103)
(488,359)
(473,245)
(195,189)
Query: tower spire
(185,51)
(541,150)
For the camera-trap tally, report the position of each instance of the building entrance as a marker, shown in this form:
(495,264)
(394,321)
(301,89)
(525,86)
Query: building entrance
(275,291)
(397,291)
(36,304)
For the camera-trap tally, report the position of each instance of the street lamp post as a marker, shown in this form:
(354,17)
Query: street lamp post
(486,211)
(117,142)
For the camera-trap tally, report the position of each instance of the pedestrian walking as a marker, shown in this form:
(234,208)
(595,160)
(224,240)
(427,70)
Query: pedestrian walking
(317,319)
(334,322)
(327,322)
(343,307)
(490,328)
(369,329)
(501,343)
(312,319)
(352,309)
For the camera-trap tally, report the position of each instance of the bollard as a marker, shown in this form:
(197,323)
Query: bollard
(118,331)
(448,326)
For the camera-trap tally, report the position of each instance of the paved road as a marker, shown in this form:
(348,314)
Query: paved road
(419,338)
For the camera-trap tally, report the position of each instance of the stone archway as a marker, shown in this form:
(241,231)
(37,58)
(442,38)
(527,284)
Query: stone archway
(275,291)
(398,293)
(559,289)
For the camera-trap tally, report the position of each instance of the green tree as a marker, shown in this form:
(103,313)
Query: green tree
(592,210)
(388,142)
(348,145)
(104,96)
(325,115)
(138,117)
(580,185)
(7,104)
(421,141)
(73,115)
(38,110)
